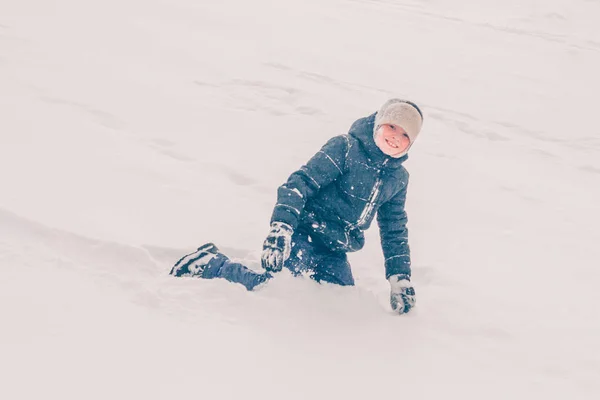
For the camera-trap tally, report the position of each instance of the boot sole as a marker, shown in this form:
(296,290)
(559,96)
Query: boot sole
(181,267)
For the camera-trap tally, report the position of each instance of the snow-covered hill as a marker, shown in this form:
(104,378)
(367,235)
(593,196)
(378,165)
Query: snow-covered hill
(133,131)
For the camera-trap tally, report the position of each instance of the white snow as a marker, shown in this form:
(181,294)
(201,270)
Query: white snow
(133,131)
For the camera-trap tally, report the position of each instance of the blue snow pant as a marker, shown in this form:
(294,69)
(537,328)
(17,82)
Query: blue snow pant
(320,263)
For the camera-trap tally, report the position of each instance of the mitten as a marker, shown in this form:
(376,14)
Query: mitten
(402,293)
(277,246)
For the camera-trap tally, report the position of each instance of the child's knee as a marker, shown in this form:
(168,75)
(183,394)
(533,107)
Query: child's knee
(214,266)
(341,279)
(259,281)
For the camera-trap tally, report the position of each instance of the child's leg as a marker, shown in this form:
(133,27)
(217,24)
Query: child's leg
(223,267)
(321,264)
(302,256)
(334,268)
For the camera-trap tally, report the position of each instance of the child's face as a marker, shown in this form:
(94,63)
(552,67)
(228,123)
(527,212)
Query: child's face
(392,139)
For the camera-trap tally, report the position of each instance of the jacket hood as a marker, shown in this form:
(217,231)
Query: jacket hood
(362,130)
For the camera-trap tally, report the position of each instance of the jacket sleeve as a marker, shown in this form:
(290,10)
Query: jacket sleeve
(322,169)
(391,218)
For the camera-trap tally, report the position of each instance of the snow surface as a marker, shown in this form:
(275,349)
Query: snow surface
(133,131)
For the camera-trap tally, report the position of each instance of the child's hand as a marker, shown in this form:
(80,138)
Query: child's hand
(402,294)
(277,246)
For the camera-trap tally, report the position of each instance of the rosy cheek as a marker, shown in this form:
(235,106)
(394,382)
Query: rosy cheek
(382,144)
(405,142)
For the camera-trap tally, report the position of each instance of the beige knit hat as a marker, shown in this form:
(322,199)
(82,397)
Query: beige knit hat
(402,113)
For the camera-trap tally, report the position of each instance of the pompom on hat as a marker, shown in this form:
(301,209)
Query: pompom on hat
(403,113)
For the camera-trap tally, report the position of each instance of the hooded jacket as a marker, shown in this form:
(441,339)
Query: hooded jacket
(335,196)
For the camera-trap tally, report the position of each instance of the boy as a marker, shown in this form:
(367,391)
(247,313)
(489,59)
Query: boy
(324,208)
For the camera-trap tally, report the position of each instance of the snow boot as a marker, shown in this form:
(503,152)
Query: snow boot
(193,264)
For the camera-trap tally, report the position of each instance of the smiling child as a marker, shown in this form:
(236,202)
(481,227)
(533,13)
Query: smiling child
(324,208)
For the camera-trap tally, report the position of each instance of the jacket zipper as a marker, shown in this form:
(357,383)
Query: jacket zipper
(372,198)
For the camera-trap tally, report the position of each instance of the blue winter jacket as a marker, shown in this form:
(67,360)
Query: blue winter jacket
(335,196)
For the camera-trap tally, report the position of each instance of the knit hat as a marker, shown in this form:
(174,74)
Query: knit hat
(403,113)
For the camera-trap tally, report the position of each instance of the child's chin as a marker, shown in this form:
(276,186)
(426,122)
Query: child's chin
(392,152)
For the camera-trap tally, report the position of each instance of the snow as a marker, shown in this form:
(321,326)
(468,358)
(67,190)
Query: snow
(131,132)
